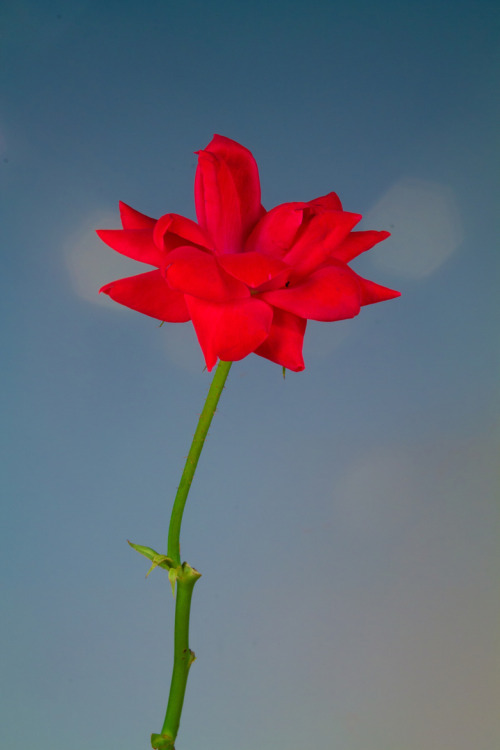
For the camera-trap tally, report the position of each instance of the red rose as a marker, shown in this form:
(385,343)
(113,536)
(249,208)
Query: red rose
(248,279)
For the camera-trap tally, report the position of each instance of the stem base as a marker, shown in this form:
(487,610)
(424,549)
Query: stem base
(162,742)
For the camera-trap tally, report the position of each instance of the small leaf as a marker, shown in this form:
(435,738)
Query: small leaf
(157,560)
(160,560)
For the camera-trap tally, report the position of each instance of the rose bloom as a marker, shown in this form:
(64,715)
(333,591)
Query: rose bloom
(248,279)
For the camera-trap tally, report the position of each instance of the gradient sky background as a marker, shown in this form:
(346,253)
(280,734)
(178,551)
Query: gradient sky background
(345,520)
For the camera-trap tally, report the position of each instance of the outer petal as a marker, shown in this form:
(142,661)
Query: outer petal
(132,219)
(254,269)
(285,340)
(195,272)
(229,331)
(356,243)
(319,238)
(372,292)
(173,230)
(330,202)
(227,193)
(134,243)
(150,294)
(331,293)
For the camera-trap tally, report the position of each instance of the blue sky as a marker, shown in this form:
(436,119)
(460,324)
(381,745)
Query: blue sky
(345,520)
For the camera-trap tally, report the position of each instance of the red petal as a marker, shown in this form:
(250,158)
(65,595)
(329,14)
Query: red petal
(331,293)
(321,234)
(284,343)
(227,193)
(173,230)
(372,292)
(252,268)
(134,243)
(356,243)
(229,331)
(331,202)
(132,219)
(150,294)
(195,272)
(276,231)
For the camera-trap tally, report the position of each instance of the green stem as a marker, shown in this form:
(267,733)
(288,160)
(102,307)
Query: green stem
(183,656)
(185,575)
(204,421)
